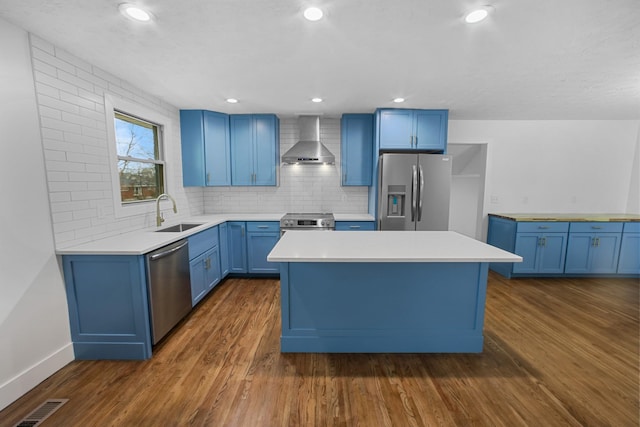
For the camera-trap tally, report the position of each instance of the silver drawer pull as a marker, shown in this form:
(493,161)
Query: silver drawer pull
(263,226)
(543,227)
(596,227)
(354,226)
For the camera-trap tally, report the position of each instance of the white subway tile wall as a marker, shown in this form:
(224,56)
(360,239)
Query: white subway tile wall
(303,188)
(70,94)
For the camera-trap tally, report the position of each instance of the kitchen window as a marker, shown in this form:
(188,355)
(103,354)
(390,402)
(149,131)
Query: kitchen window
(140,160)
(141,156)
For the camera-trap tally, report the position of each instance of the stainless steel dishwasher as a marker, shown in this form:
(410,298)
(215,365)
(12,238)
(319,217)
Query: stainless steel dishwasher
(169,285)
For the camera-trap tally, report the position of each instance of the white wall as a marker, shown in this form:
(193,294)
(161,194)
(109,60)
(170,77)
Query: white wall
(555,166)
(303,188)
(34,325)
(633,202)
(71,103)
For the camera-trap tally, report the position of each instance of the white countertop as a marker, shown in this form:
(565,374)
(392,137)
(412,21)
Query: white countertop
(147,240)
(385,246)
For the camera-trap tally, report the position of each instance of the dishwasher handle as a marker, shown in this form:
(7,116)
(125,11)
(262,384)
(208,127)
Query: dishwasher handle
(168,252)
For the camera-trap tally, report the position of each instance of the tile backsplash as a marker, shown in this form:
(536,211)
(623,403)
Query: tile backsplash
(71,103)
(302,188)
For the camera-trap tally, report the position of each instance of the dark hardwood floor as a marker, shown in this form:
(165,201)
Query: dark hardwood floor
(557,352)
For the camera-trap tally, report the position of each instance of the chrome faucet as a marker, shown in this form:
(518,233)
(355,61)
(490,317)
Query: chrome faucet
(159,217)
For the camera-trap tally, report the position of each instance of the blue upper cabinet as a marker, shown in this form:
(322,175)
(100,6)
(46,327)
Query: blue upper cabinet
(356,148)
(400,129)
(205,148)
(255,149)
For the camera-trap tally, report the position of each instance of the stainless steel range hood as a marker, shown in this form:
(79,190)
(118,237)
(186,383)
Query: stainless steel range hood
(309,150)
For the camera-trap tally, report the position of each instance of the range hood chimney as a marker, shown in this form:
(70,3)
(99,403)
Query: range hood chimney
(309,150)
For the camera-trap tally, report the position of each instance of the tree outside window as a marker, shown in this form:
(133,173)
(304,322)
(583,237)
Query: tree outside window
(140,161)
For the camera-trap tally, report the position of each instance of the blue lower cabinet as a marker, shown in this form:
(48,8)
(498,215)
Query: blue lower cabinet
(205,274)
(593,248)
(249,244)
(223,237)
(629,259)
(355,225)
(237,241)
(204,263)
(575,248)
(108,306)
(541,252)
(261,238)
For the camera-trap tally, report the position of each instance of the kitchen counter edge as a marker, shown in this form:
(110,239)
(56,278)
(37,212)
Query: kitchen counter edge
(573,217)
(143,241)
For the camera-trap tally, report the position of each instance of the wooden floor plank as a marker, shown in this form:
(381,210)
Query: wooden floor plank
(558,352)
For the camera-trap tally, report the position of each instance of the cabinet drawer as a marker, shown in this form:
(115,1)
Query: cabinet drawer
(259,226)
(542,227)
(354,225)
(632,227)
(198,243)
(596,227)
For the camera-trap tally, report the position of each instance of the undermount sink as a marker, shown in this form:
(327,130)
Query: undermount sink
(178,228)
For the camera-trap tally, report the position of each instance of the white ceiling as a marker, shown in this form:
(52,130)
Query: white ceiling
(544,59)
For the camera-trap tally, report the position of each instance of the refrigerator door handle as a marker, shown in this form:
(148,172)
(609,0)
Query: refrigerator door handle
(414,195)
(420,190)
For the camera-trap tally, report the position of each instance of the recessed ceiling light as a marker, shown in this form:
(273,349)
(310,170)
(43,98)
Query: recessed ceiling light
(398,100)
(134,12)
(316,99)
(313,14)
(477,15)
(232,100)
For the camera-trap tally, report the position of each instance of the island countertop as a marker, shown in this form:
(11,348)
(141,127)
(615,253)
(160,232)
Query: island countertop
(385,246)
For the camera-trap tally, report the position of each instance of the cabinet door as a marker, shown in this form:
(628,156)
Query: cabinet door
(242,149)
(356,149)
(527,246)
(198,272)
(224,249)
(430,129)
(578,249)
(604,255)
(237,247)
(266,140)
(395,128)
(192,146)
(629,259)
(216,148)
(212,267)
(552,254)
(258,247)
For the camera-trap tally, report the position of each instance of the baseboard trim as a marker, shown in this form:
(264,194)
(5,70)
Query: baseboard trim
(19,385)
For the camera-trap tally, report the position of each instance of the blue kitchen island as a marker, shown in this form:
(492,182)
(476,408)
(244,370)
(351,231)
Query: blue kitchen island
(383,291)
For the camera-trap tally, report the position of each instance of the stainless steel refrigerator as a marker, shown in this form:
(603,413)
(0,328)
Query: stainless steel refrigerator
(414,191)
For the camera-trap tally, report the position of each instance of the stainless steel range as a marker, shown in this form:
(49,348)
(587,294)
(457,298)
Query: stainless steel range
(307,221)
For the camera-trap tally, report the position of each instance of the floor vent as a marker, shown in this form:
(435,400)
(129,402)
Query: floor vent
(41,413)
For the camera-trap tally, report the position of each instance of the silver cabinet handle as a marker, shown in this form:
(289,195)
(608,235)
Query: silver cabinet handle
(354,226)
(263,226)
(543,227)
